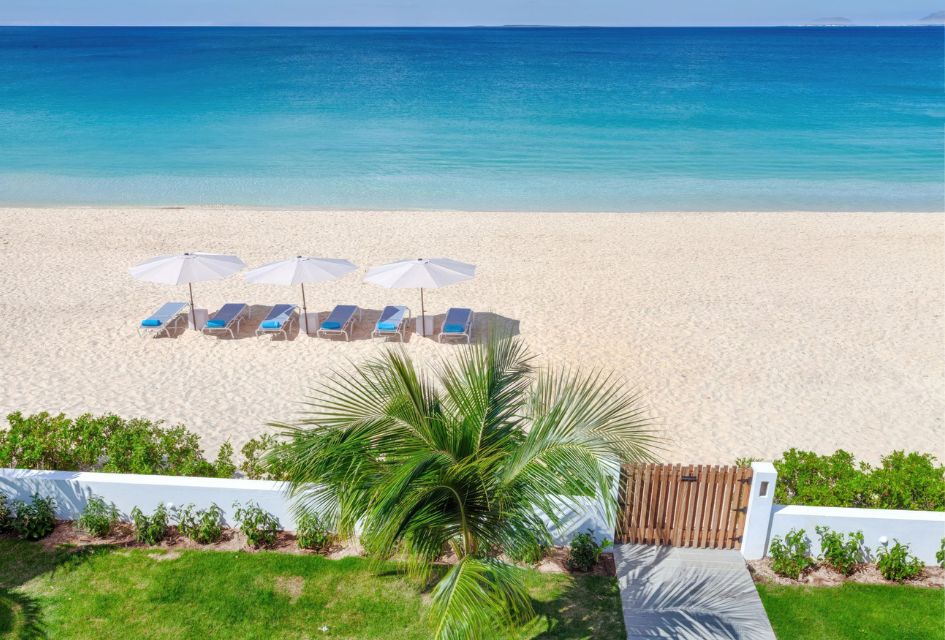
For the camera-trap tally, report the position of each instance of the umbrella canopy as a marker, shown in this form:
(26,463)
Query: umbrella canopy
(420,273)
(299,270)
(187,268)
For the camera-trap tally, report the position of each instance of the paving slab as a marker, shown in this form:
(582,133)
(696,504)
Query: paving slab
(689,594)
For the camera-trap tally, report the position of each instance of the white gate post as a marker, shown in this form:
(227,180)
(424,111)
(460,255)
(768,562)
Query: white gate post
(758,513)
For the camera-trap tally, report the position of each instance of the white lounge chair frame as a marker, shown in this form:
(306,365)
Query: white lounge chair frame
(283,329)
(466,333)
(399,331)
(235,320)
(181,314)
(347,328)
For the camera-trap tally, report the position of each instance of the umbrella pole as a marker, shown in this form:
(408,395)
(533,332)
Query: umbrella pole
(423,323)
(305,309)
(193,312)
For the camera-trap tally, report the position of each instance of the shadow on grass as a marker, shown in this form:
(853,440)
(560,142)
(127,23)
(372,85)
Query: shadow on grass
(581,607)
(20,562)
(20,616)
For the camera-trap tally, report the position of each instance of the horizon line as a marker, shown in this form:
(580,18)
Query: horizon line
(475,26)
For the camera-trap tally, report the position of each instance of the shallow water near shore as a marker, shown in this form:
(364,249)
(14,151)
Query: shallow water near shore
(754,119)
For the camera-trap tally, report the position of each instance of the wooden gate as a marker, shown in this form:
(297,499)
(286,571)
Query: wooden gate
(683,505)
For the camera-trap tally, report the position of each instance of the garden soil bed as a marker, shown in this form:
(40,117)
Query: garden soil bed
(821,576)
(66,533)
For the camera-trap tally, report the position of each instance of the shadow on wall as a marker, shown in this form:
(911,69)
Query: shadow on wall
(65,490)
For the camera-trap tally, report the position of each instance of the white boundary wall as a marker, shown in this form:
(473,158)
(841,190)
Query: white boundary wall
(72,489)
(921,530)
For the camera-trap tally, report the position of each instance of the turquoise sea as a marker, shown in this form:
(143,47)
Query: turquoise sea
(479,118)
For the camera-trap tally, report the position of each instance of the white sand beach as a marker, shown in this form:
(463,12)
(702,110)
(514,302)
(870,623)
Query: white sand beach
(748,333)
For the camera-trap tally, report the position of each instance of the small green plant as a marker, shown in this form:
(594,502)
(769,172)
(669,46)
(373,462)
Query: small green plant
(313,533)
(896,563)
(585,551)
(5,512)
(259,526)
(150,529)
(940,554)
(203,526)
(98,518)
(790,556)
(841,555)
(745,462)
(34,520)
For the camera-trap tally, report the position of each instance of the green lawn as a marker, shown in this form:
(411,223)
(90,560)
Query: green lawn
(118,593)
(862,611)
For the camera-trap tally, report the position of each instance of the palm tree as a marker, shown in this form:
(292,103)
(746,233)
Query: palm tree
(466,460)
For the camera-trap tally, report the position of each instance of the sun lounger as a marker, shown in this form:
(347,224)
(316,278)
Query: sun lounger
(227,318)
(393,322)
(458,324)
(279,320)
(339,322)
(163,319)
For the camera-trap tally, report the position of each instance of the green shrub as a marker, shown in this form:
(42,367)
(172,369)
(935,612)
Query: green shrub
(203,526)
(98,518)
(908,481)
(5,512)
(585,551)
(34,520)
(534,548)
(107,443)
(150,529)
(313,533)
(896,563)
(902,481)
(260,459)
(940,554)
(528,554)
(839,554)
(259,526)
(790,556)
(745,462)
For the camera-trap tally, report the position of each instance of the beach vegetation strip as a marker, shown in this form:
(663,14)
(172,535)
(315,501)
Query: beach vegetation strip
(854,611)
(113,592)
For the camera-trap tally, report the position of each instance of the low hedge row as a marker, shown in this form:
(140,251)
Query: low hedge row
(911,481)
(118,445)
(901,481)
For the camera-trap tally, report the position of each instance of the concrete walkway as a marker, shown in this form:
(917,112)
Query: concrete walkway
(677,592)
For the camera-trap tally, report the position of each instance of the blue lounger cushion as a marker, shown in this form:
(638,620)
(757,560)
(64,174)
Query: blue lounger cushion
(331,324)
(271,324)
(151,322)
(387,326)
(216,323)
(454,328)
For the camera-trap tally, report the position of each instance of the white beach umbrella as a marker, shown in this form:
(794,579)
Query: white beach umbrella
(421,273)
(187,268)
(299,270)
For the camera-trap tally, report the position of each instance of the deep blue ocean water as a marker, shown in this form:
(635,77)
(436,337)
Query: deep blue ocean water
(494,119)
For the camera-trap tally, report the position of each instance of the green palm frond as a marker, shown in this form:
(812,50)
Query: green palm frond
(475,458)
(478,595)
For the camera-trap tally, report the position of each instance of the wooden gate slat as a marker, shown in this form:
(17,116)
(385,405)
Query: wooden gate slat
(700,505)
(726,509)
(707,506)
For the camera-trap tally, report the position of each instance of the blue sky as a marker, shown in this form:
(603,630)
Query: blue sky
(452,12)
